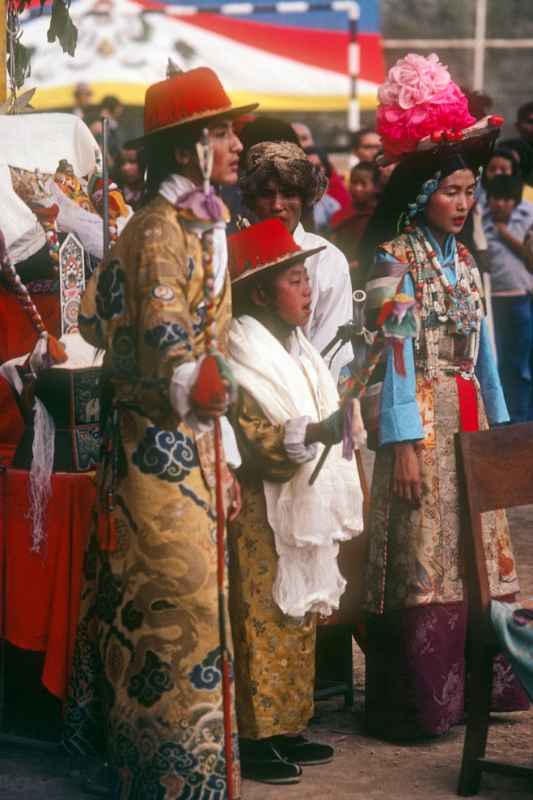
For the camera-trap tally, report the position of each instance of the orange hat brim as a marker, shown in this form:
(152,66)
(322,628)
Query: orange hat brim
(209,116)
(284,261)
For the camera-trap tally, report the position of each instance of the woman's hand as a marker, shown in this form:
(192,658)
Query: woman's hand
(406,481)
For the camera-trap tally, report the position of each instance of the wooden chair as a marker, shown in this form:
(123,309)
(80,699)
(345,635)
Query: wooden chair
(495,470)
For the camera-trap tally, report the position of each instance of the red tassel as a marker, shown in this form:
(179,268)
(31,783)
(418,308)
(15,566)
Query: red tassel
(384,314)
(399,363)
(56,350)
(209,387)
(107,532)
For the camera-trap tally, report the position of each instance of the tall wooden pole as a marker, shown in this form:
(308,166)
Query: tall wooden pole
(3,62)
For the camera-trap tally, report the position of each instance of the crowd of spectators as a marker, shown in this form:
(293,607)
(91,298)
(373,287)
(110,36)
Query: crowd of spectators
(500,231)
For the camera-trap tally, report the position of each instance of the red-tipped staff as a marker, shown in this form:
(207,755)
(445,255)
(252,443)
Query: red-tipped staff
(211,387)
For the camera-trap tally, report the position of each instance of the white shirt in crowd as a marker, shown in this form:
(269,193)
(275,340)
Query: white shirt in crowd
(331,300)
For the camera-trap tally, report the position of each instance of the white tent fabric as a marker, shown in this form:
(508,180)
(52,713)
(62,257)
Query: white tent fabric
(122,48)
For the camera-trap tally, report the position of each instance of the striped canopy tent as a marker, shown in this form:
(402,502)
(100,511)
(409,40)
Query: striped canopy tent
(283,55)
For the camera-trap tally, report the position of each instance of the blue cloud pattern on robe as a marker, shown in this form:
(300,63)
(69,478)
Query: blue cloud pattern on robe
(169,455)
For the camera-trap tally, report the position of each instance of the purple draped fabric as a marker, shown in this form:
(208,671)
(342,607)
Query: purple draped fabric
(415,673)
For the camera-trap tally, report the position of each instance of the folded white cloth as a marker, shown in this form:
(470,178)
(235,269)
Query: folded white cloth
(40,141)
(307,521)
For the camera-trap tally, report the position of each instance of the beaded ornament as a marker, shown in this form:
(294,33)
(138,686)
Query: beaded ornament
(438,303)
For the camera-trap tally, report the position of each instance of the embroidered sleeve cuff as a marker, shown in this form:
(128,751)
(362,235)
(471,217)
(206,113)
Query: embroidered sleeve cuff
(400,423)
(294,441)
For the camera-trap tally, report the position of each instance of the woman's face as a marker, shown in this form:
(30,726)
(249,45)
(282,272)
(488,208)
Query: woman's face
(226,149)
(293,295)
(448,207)
(499,165)
(276,201)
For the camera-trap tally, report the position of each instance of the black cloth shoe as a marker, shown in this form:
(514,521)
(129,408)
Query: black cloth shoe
(261,761)
(300,750)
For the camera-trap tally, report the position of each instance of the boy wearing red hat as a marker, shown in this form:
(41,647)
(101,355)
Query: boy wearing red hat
(284,545)
(149,631)
(279,181)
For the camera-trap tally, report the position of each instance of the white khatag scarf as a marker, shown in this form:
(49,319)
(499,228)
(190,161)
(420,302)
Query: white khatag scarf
(174,187)
(307,521)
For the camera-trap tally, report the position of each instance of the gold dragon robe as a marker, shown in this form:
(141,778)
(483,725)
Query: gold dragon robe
(149,637)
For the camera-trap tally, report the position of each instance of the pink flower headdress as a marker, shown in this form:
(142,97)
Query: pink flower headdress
(420,106)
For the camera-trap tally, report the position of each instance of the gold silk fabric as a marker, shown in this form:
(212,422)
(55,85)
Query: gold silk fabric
(149,639)
(274,654)
(415,556)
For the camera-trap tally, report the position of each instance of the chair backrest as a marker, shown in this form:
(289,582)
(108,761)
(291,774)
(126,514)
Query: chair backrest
(495,470)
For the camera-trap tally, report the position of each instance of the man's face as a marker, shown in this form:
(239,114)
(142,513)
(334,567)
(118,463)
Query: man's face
(84,98)
(368,148)
(501,208)
(525,128)
(226,149)
(498,165)
(283,202)
(305,137)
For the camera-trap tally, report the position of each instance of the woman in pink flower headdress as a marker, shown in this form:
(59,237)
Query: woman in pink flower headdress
(436,376)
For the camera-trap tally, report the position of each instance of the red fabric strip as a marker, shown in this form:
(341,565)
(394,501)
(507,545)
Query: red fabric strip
(468,416)
(42,591)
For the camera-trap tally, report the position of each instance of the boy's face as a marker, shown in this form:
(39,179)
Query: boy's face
(293,295)
(362,187)
(501,208)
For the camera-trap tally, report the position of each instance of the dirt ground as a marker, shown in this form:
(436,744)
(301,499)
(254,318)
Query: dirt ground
(364,769)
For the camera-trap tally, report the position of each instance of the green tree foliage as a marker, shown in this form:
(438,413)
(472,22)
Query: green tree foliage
(61,28)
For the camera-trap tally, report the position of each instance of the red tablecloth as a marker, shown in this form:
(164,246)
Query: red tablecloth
(17,337)
(41,591)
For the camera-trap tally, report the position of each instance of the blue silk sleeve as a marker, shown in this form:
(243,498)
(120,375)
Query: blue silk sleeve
(400,419)
(489,380)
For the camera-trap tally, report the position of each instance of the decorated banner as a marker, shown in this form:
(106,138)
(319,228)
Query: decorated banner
(284,60)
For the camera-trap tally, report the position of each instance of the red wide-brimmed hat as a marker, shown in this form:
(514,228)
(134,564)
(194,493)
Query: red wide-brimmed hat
(186,98)
(263,246)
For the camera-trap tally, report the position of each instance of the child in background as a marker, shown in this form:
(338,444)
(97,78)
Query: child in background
(506,221)
(349,225)
(129,172)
